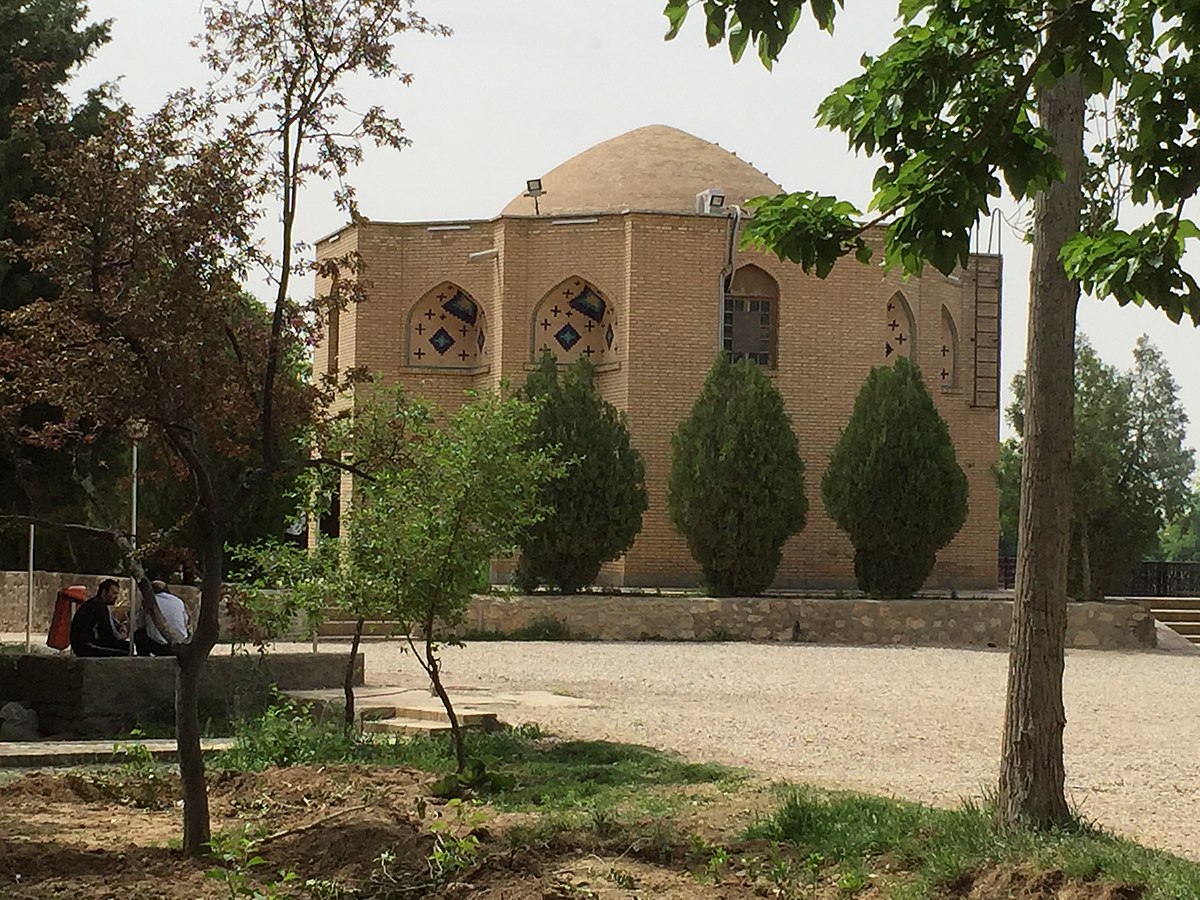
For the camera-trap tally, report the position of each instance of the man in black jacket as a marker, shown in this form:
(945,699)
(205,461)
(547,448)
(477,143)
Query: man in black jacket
(92,631)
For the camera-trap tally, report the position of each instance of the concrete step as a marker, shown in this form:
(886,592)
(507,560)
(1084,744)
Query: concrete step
(379,704)
(344,628)
(427,720)
(51,753)
(1156,604)
(1168,616)
(400,725)
(470,718)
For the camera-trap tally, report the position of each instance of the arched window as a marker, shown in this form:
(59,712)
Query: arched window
(575,320)
(899,333)
(949,351)
(447,329)
(749,323)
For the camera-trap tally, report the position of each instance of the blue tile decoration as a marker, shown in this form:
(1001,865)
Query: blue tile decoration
(447,330)
(462,307)
(441,340)
(593,334)
(589,303)
(567,336)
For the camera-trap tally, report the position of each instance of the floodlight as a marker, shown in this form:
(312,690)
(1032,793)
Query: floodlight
(711,200)
(533,188)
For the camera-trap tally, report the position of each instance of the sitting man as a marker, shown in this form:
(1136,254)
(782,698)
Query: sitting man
(148,640)
(93,632)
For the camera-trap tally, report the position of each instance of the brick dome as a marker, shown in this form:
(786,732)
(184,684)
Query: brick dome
(652,168)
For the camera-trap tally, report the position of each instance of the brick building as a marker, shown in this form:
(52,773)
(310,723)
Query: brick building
(617,264)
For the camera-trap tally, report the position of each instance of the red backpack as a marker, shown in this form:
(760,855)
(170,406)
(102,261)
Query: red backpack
(68,598)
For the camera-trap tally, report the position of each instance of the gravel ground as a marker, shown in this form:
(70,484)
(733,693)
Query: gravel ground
(922,723)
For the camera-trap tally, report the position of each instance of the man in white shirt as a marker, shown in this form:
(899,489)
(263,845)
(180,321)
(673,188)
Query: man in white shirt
(148,640)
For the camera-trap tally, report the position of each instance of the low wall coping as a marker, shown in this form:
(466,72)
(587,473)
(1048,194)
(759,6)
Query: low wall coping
(921,621)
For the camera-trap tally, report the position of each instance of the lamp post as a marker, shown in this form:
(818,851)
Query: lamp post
(29,598)
(137,431)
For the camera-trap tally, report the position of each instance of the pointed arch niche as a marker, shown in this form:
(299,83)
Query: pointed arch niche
(948,376)
(447,329)
(899,333)
(574,320)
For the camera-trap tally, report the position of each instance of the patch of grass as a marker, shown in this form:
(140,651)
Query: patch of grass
(851,833)
(563,774)
(159,721)
(546,628)
(513,769)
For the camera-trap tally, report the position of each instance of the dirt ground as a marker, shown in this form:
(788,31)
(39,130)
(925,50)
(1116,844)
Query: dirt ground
(93,835)
(919,723)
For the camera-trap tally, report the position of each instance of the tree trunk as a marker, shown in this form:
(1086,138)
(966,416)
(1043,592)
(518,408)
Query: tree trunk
(435,678)
(1031,766)
(191,658)
(191,760)
(348,682)
(433,670)
(1085,562)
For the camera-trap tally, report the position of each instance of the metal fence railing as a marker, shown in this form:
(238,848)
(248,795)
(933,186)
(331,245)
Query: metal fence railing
(1151,578)
(1008,572)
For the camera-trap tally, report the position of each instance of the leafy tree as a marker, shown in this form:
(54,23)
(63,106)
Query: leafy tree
(968,94)
(148,237)
(736,489)
(315,580)
(137,241)
(596,508)
(1129,467)
(1179,541)
(1008,479)
(434,502)
(338,572)
(50,37)
(1159,431)
(1099,477)
(467,492)
(169,533)
(893,483)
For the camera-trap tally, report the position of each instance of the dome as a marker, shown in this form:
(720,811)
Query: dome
(652,168)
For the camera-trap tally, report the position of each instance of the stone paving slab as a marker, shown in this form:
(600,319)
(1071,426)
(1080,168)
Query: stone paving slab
(52,754)
(470,699)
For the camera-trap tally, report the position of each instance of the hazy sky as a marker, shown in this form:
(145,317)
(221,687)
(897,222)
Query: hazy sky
(524,84)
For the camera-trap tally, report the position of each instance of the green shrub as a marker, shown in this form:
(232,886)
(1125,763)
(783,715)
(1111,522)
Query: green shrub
(893,483)
(598,505)
(736,490)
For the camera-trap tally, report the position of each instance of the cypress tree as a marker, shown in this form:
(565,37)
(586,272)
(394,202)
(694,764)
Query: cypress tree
(893,483)
(736,490)
(597,506)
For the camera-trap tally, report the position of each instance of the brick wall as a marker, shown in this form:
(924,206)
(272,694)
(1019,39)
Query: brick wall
(661,273)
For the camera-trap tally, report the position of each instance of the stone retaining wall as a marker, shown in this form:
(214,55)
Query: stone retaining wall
(46,585)
(922,622)
(14,587)
(106,697)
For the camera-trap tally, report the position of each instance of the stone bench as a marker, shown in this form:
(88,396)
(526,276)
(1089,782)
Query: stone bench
(106,697)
